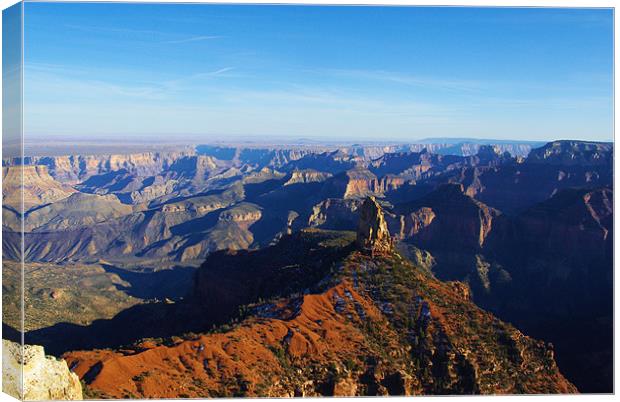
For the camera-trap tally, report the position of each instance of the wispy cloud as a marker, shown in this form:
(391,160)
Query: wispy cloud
(177,83)
(199,38)
(53,79)
(100,29)
(333,101)
(214,73)
(406,79)
(131,31)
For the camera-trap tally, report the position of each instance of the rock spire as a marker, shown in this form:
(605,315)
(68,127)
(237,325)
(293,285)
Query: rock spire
(372,232)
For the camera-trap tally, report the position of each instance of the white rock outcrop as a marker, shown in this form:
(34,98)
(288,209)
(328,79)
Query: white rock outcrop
(45,377)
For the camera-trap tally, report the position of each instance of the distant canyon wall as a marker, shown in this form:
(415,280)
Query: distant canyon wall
(72,169)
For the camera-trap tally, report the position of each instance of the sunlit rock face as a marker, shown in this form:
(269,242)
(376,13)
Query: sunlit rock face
(44,377)
(34,183)
(372,232)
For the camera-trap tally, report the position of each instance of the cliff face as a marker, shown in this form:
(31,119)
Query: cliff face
(196,168)
(515,186)
(306,176)
(75,211)
(335,213)
(390,183)
(573,221)
(85,225)
(72,169)
(45,377)
(445,217)
(539,269)
(414,165)
(259,157)
(571,235)
(38,187)
(329,162)
(579,153)
(564,264)
(423,165)
(360,183)
(278,157)
(413,224)
(470,148)
(338,322)
(243,213)
(372,230)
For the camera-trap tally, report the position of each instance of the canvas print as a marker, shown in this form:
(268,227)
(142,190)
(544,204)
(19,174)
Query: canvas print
(232,200)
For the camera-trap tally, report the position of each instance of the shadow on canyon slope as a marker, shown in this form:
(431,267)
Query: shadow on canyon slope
(168,283)
(148,320)
(298,262)
(159,316)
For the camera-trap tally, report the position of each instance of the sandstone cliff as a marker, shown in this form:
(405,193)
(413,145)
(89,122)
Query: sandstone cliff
(372,231)
(306,176)
(75,211)
(361,182)
(72,169)
(447,216)
(35,182)
(573,153)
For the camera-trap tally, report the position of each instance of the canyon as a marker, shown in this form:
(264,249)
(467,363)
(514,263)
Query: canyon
(383,247)
(347,335)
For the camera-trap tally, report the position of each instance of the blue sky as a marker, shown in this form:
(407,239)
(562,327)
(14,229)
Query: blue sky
(359,73)
(11,79)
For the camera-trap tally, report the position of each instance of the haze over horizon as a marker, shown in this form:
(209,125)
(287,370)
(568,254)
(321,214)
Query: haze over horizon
(318,72)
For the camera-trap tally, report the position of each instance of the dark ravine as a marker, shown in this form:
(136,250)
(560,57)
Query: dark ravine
(554,259)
